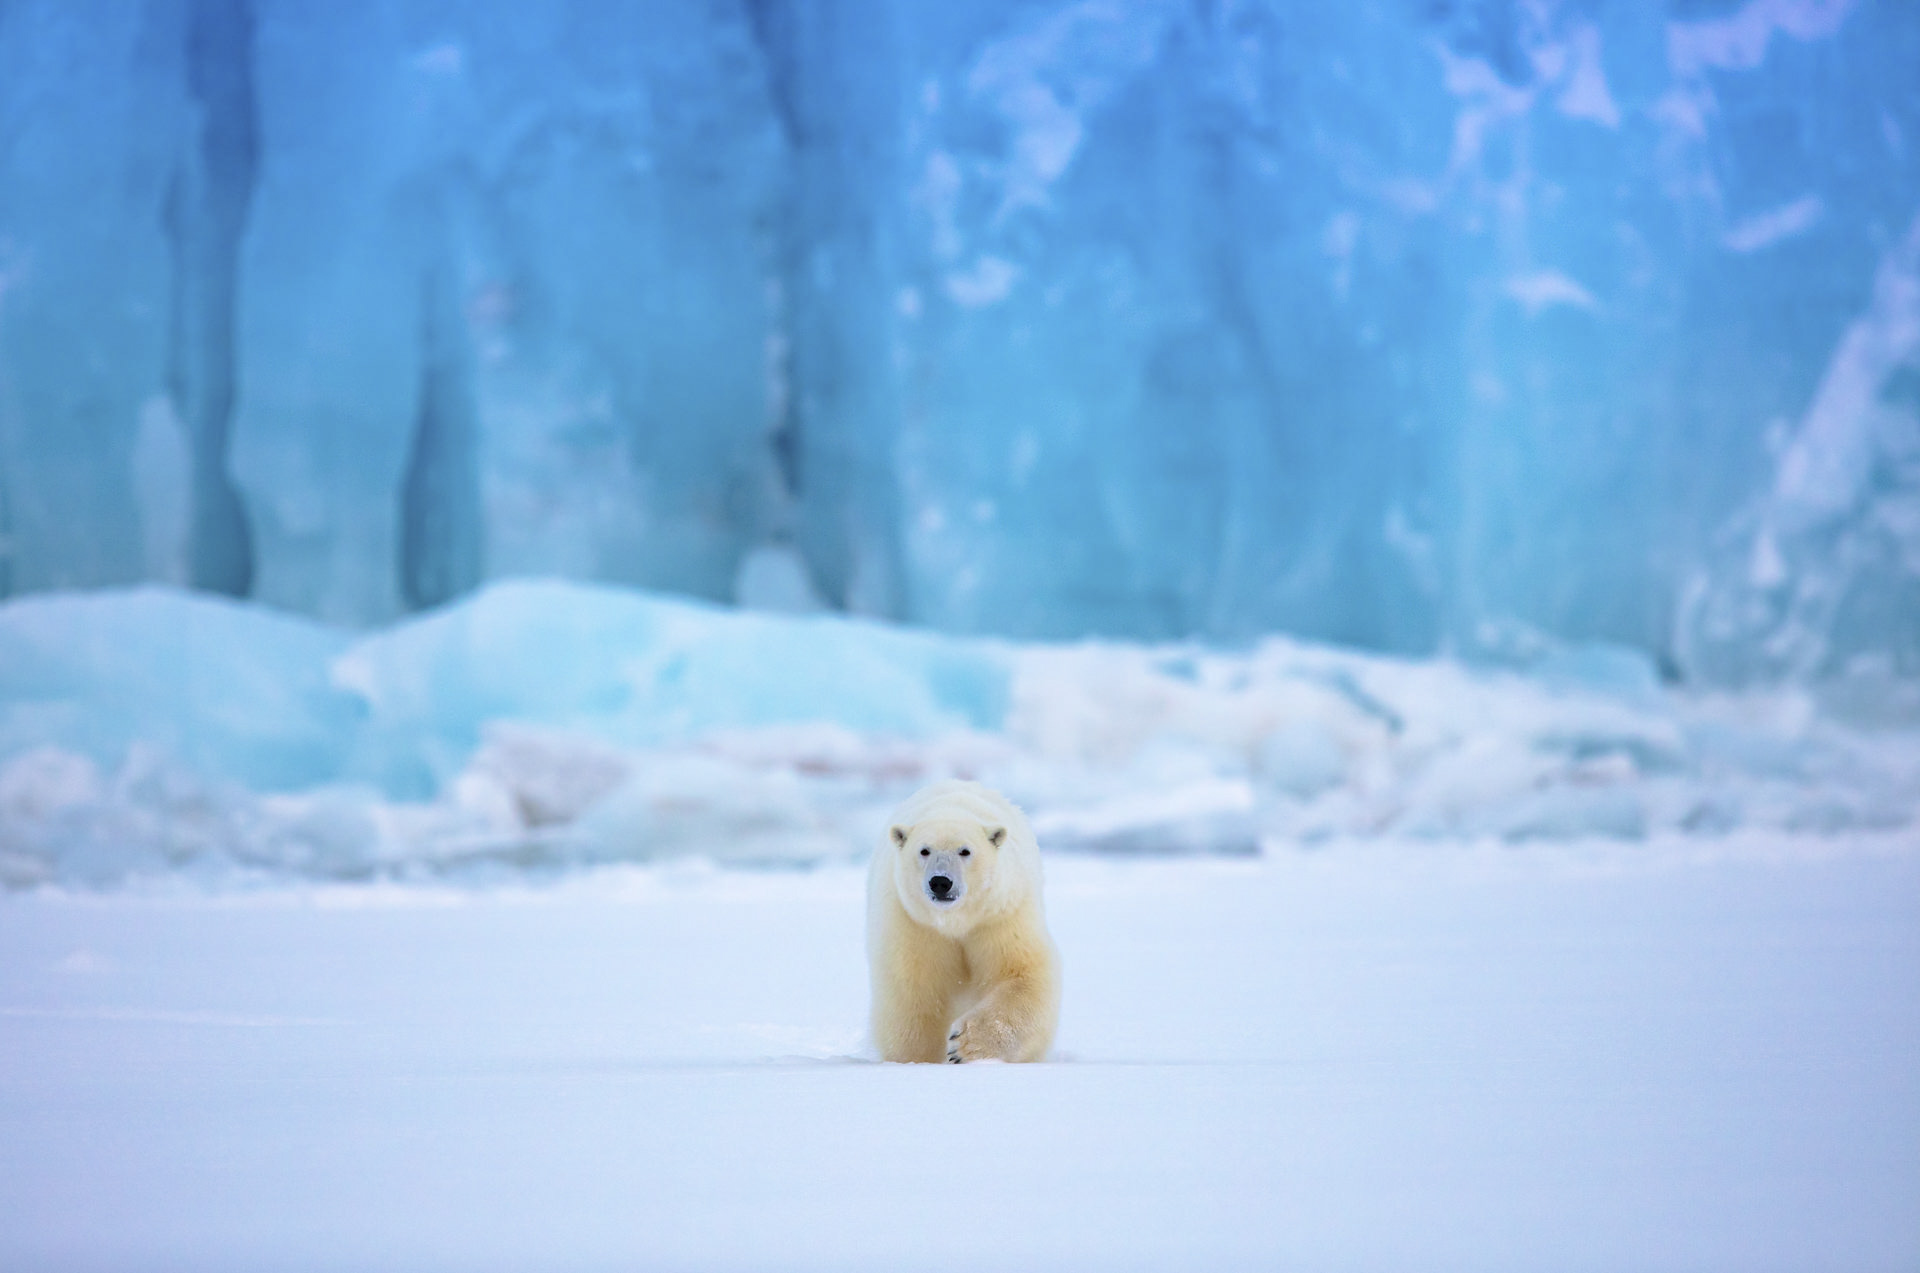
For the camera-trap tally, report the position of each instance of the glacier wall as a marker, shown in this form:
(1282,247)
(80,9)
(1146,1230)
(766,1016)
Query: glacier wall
(1416,324)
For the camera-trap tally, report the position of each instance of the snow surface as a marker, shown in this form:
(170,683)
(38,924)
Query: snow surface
(542,725)
(1374,1055)
(432,947)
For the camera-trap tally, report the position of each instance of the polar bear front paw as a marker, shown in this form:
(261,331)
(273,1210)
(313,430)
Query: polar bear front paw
(980,1038)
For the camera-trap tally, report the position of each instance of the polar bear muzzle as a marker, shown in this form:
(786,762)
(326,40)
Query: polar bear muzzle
(942,876)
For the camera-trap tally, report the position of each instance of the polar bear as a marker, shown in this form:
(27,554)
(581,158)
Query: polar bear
(962,966)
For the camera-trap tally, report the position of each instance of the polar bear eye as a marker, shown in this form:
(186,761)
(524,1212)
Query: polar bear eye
(966,853)
(924,852)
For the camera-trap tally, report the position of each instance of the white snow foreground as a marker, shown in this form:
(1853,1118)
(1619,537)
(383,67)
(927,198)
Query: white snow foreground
(544,724)
(1377,1056)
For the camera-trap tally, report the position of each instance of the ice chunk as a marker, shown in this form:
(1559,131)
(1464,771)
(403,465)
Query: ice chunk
(1303,758)
(233,692)
(638,670)
(544,725)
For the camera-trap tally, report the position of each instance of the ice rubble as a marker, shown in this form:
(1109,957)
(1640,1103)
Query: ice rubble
(1414,326)
(544,724)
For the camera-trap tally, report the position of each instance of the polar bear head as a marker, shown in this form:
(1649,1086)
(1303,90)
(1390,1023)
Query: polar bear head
(951,873)
(961,854)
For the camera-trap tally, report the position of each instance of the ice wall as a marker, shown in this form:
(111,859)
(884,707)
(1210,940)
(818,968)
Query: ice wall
(1415,324)
(505,299)
(92,456)
(1384,322)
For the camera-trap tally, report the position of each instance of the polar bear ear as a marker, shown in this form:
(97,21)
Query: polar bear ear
(899,835)
(996,835)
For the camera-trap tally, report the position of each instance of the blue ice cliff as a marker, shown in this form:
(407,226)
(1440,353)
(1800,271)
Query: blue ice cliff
(1410,324)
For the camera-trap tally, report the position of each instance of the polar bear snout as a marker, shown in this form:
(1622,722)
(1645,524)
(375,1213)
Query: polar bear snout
(945,884)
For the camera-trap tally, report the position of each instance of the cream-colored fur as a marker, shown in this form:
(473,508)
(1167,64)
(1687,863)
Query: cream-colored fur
(975,979)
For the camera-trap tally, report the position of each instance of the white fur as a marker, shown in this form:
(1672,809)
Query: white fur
(977,979)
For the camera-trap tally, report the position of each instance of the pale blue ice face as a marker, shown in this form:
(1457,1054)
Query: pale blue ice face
(1463,324)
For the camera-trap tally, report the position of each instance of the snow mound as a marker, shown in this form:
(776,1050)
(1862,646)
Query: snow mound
(542,725)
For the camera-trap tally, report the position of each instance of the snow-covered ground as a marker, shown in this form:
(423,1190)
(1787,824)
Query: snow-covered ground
(1677,1054)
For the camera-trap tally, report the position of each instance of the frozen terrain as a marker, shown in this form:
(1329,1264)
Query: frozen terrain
(1367,1056)
(527,935)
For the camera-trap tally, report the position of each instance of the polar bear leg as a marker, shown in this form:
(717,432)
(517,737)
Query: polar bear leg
(906,1032)
(913,997)
(1014,1023)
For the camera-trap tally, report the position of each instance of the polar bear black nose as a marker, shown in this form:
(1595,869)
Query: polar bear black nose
(940,885)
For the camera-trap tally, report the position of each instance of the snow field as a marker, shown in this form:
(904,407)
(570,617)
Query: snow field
(1368,1056)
